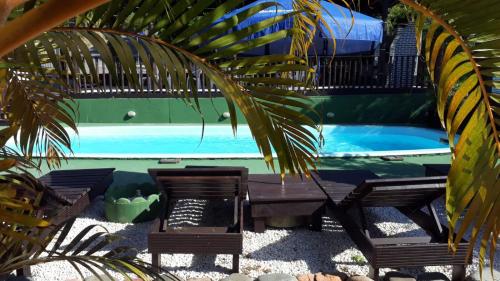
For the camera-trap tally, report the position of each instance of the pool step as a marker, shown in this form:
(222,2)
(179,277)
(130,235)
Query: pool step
(169,161)
(392,158)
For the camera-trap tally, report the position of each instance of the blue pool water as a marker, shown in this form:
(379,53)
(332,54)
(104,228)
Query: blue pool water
(184,141)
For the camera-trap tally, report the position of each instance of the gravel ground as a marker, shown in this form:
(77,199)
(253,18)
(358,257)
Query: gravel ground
(291,251)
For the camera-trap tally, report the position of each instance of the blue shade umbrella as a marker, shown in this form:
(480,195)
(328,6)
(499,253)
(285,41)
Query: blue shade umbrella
(362,36)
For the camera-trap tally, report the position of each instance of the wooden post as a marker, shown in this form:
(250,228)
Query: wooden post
(458,273)
(259,225)
(156,261)
(236,263)
(373,273)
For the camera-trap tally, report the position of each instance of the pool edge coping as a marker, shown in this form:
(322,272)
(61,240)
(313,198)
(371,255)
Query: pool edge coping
(156,156)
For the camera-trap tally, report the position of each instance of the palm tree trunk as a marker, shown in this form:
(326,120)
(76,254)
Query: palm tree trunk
(6,6)
(38,20)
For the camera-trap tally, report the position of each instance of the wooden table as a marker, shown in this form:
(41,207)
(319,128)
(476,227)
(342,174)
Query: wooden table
(337,184)
(298,198)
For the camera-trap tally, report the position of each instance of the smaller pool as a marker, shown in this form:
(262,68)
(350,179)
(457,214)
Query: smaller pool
(184,141)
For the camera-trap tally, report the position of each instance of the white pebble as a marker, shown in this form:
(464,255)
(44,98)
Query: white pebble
(293,252)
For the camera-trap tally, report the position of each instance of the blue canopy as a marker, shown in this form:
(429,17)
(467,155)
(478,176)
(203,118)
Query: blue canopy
(362,36)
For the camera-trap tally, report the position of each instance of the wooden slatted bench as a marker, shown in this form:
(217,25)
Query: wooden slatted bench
(76,188)
(204,184)
(349,192)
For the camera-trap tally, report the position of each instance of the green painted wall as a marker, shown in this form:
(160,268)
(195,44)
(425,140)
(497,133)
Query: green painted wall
(157,110)
(367,109)
(377,109)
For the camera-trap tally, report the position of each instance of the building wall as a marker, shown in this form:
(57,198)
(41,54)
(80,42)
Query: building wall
(404,43)
(411,108)
(403,53)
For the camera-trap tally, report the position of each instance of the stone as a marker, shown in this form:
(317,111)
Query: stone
(237,277)
(305,277)
(486,275)
(163,277)
(342,275)
(249,269)
(432,276)
(359,278)
(326,277)
(398,276)
(199,279)
(276,277)
(103,278)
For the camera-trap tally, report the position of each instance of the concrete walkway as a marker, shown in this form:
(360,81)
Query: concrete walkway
(129,171)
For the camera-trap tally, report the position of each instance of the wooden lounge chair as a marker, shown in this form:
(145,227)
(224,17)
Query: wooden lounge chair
(75,189)
(350,191)
(204,184)
(243,171)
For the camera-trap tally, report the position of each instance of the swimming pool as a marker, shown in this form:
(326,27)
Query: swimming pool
(184,141)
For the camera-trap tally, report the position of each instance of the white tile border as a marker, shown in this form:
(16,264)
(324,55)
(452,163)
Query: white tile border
(255,155)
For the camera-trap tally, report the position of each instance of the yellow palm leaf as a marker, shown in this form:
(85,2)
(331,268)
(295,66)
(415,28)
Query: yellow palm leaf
(461,49)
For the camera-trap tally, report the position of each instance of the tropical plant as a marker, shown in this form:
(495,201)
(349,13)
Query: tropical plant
(28,239)
(165,42)
(462,51)
(36,109)
(309,21)
(38,47)
(399,14)
(463,59)
(462,54)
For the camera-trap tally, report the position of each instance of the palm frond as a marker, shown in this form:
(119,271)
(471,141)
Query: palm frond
(20,199)
(35,21)
(38,110)
(80,253)
(461,49)
(311,18)
(277,117)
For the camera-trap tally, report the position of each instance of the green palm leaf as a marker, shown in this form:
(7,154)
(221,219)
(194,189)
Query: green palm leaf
(39,112)
(80,252)
(462,50)
(21,29)
(20,198)
(160,34)
(309,21)
(260,87)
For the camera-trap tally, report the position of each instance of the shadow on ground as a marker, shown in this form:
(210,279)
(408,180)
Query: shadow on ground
(378,166)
